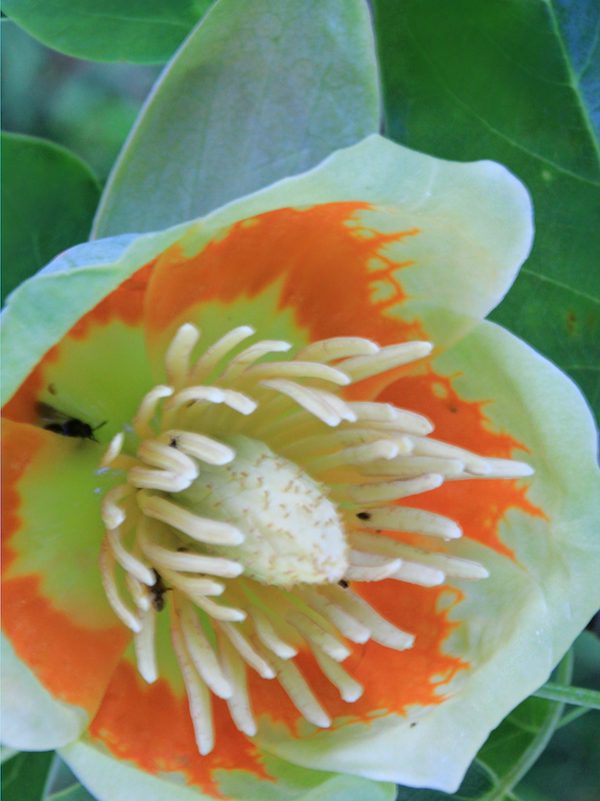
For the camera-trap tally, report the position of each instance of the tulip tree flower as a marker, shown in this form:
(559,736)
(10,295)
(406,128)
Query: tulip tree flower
(278,498)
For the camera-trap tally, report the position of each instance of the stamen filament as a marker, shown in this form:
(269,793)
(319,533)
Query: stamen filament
(313,633)
(350,690)
(201,653)
(107,573)
(327,350)
(201,529)
(235,672)
(247,357)
(113,513)
(197,692)
(217,351)
(147,478)
(361,367)
(248,653)
(385,415)
(147,409)
(300,694)
(128,561)
(207,449)
(402,518)
(161,455)
(269,637)
(392,490)
(382,631)
(145,652)
(190,562)
(177,357)
(363,567)
(348,625)
(297,369)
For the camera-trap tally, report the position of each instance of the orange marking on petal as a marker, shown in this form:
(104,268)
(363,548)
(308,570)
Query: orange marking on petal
(393,680)
(73,663)
(23,445)
(396,680)
(464,423)
(151,726)
(318,256)
(125,303)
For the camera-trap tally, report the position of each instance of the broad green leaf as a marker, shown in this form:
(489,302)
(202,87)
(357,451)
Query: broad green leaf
(509,752)
(142,31)
(258,92)
(48,201)
(513,80)
(24,776)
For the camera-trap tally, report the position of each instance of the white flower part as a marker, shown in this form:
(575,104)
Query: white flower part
(255,496)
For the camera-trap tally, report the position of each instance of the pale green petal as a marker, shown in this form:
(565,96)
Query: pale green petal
(515,626)
(113,780)
(32,720)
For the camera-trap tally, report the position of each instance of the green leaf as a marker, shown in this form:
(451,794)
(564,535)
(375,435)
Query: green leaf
(580,696)
(513,80)
(48,201)
(142,31)
(508,753)
(258,92)
(24,776)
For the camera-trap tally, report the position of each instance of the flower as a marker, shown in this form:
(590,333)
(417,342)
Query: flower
(243,489)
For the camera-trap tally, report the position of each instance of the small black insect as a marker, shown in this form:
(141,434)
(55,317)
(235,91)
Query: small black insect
(60,423)
(363,515)
(158,590)
(343,583)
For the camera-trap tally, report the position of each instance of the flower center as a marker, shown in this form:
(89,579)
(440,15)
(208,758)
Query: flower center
(254,497)
(292,532)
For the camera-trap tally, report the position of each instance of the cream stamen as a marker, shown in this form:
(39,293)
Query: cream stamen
(213,355)
(201,653)
(177,357)
(350,690)
(296,369)
(113,514)
(158,454)
(148,409)
(317,635)
(107,572)
(131,564)
(363,567)
(327,350)
(144,647)
(382,415)
(201,529)
(247,357)
(348,625)
(392,490)
(197,692)
(269,637)
(417,521)
(361,367)
(300,694)
(206,449)
(239,702)
(248,653)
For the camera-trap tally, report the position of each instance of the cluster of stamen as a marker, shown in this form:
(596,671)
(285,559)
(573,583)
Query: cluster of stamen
(256,497)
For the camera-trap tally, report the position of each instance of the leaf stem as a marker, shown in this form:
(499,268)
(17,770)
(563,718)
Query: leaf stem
(578,696)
